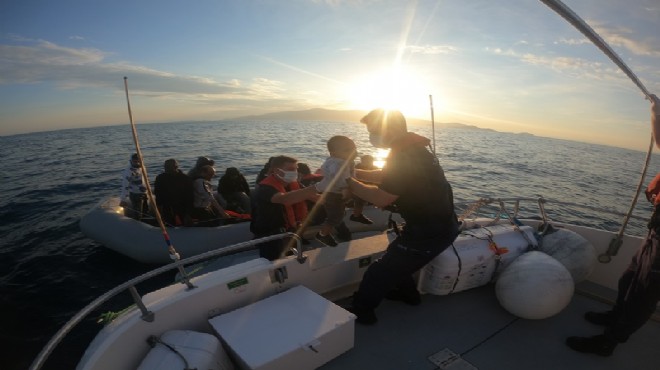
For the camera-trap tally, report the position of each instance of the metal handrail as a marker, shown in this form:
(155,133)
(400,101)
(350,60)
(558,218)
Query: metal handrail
(130,285)
(489,200)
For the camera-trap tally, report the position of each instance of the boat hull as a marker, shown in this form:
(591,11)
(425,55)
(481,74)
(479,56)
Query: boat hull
(106,224)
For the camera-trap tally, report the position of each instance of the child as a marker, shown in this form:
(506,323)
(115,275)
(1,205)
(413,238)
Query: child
(336,169)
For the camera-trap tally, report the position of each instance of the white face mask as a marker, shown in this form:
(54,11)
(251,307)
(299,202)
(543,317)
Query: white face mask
(288,176)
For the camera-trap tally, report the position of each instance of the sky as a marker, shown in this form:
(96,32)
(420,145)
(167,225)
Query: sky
(507,65)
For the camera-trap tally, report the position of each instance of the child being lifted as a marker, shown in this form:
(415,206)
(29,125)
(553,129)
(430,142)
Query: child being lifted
(336,170)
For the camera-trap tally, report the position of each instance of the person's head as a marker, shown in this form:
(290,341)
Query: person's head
(204,161)
(171,166)
(303,169)
(232,172)
(284,168)
(207,172)
(367,160)
(342,147)
(135,160)
(384,126)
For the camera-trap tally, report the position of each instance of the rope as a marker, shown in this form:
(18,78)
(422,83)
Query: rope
(577,22)
(516,226)
(490,336)
(432,123)
(460,268)
(493,247)
(473,208)
(617,241)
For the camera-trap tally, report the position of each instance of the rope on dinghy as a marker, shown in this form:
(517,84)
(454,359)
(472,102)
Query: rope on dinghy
(565,12)
(516,226)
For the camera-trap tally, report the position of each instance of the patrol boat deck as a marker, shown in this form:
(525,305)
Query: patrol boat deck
(471,324)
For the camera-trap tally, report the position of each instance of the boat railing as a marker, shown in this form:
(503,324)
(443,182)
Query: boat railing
(130,286)
(540,201)
(470,207)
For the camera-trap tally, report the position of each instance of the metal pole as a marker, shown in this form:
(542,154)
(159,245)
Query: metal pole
(152,200)
(432,122)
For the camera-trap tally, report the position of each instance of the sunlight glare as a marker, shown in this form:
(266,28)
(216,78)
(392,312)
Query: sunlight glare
(394,88)
(380,157)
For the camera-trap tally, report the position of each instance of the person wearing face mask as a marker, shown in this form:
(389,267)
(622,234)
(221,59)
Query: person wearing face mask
(413,181)
(279,206)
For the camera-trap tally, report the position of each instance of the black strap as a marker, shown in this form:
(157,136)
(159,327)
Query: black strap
(393,225)
(153,340)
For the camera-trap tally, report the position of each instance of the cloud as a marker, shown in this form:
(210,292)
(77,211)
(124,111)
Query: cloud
(39,62)
(573,41)
(620,36)
(577,67)
(432,49)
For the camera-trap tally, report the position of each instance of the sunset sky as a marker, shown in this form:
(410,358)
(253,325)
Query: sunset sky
(508,65)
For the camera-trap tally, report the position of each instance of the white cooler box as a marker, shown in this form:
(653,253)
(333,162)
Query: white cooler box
(477,265)
(201,351)
(295,329)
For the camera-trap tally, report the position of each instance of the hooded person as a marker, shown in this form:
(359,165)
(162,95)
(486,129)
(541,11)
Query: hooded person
(195,172)
(174,194)
(234,189)
(412,181)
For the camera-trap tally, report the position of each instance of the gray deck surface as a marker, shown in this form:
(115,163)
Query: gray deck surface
(473,324)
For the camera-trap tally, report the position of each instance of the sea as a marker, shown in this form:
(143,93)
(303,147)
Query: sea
(49,270)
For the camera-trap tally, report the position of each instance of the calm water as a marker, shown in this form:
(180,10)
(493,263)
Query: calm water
(49,270)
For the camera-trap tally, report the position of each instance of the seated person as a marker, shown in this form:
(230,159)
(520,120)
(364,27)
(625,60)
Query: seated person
(306,177)
(195,172)
(174,194)
(205,206)
(279,206)
(234,188)
(265,171)
(133,192)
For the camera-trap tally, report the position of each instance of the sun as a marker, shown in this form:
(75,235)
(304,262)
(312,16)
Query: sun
(393,88)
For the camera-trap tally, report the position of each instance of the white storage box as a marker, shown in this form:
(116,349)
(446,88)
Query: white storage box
(296,329)
(476,263)
(201,351)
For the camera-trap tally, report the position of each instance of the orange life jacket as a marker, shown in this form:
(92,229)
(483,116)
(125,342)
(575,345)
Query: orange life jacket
(295,213)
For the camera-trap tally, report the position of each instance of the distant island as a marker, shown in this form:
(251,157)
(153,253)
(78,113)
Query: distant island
(329,115)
